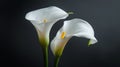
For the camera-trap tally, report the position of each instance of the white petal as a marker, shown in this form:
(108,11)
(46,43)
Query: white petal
(80,28)
(51,13)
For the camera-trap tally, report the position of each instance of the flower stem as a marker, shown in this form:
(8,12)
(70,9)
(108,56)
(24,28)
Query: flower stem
(56,61)
(45,55)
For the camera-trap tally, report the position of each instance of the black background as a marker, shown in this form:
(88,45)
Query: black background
(19,45)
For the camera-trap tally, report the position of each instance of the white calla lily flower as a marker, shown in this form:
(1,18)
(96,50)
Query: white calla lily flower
(75,27)
(43,20)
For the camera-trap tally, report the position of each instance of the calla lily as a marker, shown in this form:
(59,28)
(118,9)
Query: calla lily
(43,20)
(75,27)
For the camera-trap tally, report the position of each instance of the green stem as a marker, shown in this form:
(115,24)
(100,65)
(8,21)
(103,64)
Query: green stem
(57,58)
(45,55)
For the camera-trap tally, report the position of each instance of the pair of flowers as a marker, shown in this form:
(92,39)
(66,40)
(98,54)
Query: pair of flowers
(43,20)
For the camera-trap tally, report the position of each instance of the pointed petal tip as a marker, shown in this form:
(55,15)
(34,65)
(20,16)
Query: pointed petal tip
(70,12)
(92,41)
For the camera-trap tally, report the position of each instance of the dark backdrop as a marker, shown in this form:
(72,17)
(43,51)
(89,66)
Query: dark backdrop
(19,46)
